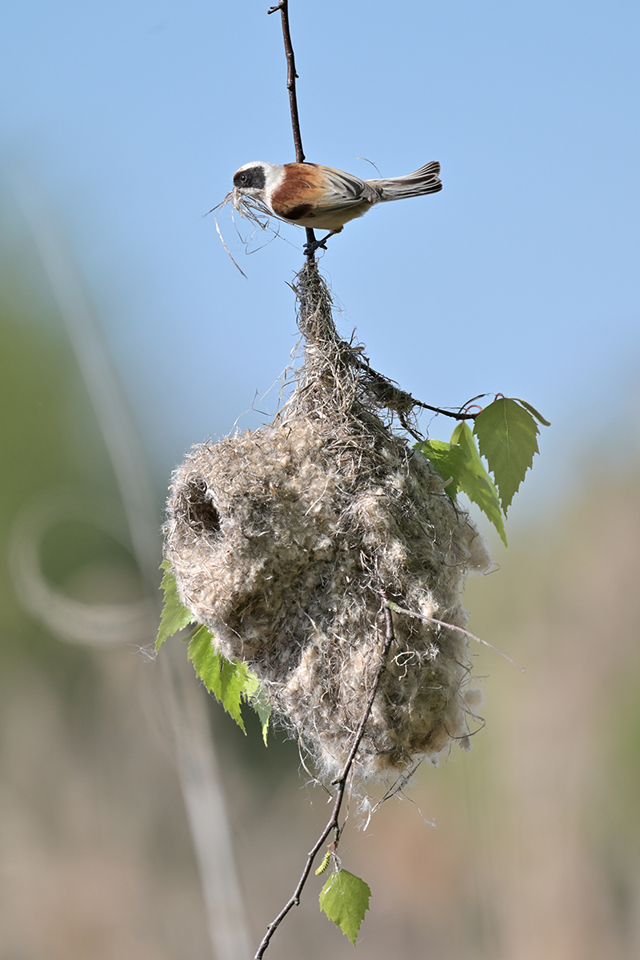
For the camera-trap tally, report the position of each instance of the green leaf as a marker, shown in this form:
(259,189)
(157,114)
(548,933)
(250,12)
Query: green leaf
(507,437)
(263,709)
(175,615)
(447,459)
(345,900)
(537,415)
(229,682)
(258,701)
(252,684)
(475,480)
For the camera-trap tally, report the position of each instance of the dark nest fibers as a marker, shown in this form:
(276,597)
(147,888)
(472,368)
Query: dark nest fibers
(286,542)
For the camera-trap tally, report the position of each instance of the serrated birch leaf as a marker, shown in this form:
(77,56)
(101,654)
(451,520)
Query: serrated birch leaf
(263,709)
(345,900)
(475,480)
(507,438)
(258,702)
(175,615)
(447,459)
(227,681)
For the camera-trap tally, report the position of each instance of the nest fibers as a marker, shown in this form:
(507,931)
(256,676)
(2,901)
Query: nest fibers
(286,541)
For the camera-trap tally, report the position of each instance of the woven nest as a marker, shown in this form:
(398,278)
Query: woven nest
(288,540)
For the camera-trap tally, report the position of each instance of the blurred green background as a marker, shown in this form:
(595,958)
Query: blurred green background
(535,842)
(520,277)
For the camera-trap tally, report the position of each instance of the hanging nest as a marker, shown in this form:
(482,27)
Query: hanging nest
(288,541)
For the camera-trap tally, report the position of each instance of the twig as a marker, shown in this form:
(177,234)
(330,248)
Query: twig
(451,626)
(400,400)
(340,782)
(462,415)
(292,76)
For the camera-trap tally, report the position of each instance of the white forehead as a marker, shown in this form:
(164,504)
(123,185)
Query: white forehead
(272,170)
(253,163)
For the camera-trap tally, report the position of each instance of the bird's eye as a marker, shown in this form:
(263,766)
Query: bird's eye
(243,178)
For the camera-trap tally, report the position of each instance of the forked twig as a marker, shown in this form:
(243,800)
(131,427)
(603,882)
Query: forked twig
(341,783)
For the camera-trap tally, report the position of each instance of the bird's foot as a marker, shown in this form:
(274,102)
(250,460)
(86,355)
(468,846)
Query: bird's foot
(312,245)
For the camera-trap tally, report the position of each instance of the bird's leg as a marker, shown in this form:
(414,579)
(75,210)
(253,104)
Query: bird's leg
(314,245)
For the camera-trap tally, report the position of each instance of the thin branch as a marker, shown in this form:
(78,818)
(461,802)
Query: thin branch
(451,626)
(292,76)
(401,400)
(447,413)
(341,782)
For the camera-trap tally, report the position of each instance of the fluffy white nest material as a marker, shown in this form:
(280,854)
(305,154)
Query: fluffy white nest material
(285,539)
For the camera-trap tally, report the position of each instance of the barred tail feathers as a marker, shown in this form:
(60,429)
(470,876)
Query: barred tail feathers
(422,181)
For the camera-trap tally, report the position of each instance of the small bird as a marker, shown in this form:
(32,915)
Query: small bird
(311,195)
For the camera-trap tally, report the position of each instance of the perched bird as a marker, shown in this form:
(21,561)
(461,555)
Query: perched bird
(311,195)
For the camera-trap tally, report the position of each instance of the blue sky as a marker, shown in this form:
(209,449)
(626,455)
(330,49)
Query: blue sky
(522,276)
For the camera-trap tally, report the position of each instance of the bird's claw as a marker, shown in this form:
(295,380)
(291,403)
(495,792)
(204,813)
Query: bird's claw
(312,245)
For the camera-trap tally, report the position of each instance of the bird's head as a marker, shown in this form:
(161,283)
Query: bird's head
(258,179)
(251,179)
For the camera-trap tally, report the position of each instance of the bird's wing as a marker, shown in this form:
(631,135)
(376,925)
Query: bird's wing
(310,192)
(346,189)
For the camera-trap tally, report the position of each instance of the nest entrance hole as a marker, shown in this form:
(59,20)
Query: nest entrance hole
(201,510)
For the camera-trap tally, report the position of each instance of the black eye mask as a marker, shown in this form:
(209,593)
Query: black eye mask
(253,178)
